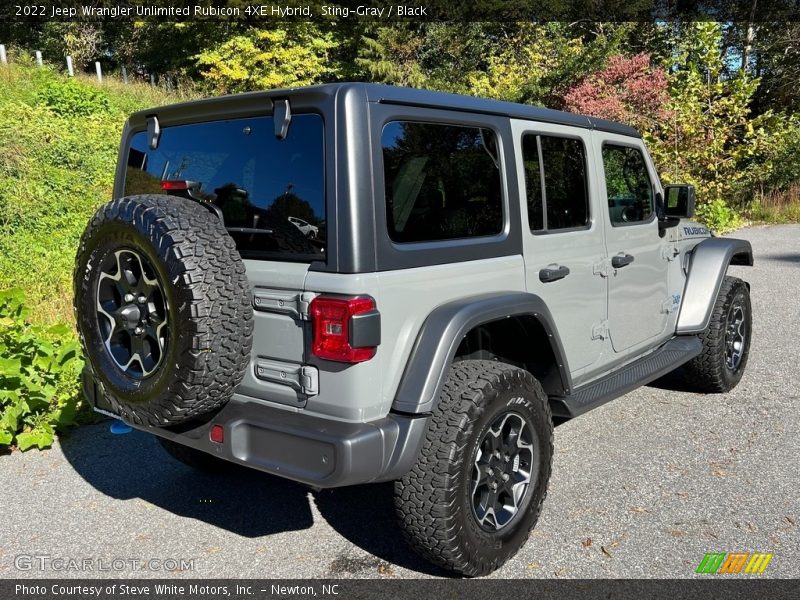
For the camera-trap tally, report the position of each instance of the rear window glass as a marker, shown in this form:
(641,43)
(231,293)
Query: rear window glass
(270,192)
(442,182)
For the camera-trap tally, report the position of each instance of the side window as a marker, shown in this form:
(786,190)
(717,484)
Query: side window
(628,185)
(555,181)
(441,182)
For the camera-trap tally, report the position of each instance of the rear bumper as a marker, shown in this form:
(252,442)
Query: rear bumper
(312,450)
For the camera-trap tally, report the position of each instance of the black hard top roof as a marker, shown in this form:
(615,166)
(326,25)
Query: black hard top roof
(411,96)
(390,94)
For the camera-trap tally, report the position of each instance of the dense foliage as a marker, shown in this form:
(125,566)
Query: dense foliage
(39,370)
(266,59)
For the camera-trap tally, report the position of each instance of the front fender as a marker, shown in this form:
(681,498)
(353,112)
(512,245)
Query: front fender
(442,332)
(708,264)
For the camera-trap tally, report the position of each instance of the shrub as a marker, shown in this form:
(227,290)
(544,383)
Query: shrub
(70,97)
(268,58)
(39,376)
(717,215)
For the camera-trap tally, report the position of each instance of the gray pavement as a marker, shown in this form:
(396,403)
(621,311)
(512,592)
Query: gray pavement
(641,487)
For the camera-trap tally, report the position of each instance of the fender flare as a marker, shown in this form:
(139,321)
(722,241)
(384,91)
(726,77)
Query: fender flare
(442,332)
(708,263)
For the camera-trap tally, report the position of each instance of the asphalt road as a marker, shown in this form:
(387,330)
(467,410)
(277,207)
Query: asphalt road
(641,487)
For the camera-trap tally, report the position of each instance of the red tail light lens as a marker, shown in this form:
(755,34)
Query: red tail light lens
(175,184)
(331,321)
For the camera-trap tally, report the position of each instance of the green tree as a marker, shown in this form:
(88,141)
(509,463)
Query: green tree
(536,63)
(80,40)
(294,55)
(713,135)
(392,55)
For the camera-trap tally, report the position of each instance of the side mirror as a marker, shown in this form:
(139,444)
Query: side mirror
(664,220)
(679,201)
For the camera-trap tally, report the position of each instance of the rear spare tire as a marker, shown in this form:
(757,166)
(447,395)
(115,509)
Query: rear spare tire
(163,309)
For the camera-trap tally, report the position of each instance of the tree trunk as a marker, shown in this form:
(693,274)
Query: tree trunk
(750,35)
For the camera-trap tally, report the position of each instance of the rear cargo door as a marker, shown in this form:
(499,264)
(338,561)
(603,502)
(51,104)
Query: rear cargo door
(270,193)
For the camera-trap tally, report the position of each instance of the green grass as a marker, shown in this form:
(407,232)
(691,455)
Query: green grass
(59,139)
(777,207)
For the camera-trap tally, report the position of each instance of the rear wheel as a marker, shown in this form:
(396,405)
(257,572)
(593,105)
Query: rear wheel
(726,341)
(476,490)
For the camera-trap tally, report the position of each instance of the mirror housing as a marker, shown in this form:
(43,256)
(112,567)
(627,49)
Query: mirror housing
(679,201)
(664,221)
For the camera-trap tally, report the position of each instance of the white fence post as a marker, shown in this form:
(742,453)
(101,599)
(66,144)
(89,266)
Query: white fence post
(99,71)
(152,80)
(70,70)
(3,57)
(39,57)
(124,74)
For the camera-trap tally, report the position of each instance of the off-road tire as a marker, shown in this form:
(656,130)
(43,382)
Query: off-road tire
(209,315)
(708,372)
(196,459)
(434,500)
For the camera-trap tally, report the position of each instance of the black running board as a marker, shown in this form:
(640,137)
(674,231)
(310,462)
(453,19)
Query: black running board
(668,357)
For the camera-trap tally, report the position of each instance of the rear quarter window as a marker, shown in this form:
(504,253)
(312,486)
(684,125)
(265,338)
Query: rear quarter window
(442,182)
(270,192)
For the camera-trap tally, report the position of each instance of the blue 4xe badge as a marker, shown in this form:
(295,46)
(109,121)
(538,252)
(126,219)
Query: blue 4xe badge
(695,231)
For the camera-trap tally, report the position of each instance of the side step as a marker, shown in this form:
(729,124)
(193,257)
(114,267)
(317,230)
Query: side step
(638,373)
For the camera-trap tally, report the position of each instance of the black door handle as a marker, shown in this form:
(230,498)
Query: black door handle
(547,275)
(621,260)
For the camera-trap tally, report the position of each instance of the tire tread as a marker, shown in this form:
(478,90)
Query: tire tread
(213,292)
(707,371)
(425,498)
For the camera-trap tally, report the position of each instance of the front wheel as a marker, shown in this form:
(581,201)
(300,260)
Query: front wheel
(473,496)
(726,341)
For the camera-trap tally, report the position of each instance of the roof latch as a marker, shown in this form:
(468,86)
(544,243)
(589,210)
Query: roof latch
(282,115)
(153,132)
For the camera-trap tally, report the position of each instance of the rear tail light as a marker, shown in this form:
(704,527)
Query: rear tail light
(334,332)
(172,185)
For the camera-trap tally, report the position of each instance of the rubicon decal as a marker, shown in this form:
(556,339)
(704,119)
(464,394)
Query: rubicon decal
(695,231)
(721,563)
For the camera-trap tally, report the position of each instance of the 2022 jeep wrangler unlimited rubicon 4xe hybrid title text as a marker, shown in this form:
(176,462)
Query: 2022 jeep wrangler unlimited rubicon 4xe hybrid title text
(476,268)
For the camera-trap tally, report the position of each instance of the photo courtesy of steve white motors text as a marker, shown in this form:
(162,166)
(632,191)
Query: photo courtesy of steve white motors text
(169,589)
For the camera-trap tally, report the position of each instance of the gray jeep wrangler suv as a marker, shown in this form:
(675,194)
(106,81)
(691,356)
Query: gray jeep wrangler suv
(354,283)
